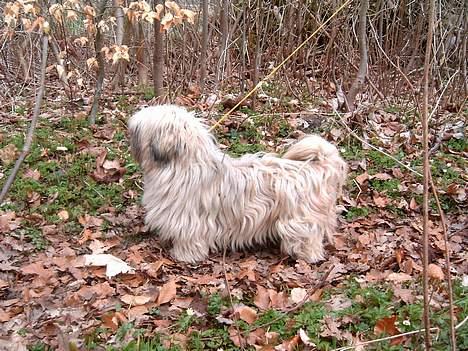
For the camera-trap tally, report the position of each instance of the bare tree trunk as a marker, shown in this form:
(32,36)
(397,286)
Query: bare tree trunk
(34,119)
(142,61)
(358,83)
(98,44)
(158,58)
(425,132)
(120,30)
(204,43)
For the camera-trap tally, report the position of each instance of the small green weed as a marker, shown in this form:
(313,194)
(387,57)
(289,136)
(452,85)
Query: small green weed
(390,187)
(356,212)
(185,320)
(458,145)
(215,302)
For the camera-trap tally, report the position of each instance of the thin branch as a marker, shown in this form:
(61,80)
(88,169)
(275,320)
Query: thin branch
(34,119)
(453,337)
(426,167)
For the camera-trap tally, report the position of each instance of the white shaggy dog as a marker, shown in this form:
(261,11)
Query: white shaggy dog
(200,199)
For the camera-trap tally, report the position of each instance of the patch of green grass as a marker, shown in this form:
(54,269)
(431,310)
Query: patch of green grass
(186,319)
(21,110)
(39,346)
(148,92)
(458,145)
(352,152)
(238,149)
(381,161)
(357,212)
(389,187)
(445,173)
(211,339)
(276,321)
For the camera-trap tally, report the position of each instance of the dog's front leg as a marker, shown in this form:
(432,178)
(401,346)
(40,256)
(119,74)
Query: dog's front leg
(189,251)
(301,239)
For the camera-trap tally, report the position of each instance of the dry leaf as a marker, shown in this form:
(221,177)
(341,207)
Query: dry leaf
(134,300)
(8,154)
(262,298)
(298,295)
(167,292)
(435,272)
(114,265)
(63,215)
(246,313)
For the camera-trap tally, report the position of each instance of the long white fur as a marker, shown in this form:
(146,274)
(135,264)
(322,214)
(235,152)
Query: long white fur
(202,200)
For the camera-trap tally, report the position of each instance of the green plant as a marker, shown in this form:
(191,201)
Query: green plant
(185,320)
(390,187)
(356,212)
(215,303)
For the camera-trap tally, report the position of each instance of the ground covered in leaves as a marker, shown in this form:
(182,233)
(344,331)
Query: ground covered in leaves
(78,271)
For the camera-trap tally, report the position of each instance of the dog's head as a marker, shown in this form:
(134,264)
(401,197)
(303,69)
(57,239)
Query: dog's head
(163,134)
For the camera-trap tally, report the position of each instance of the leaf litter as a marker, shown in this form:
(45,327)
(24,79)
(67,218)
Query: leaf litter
(79,282)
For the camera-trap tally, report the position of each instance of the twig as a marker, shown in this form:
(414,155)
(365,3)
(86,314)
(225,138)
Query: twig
(374,147)
(453,337)
(383,339)
(459,325)
(426,168)
(34,119)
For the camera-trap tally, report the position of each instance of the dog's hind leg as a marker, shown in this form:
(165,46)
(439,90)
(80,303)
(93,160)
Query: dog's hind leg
(301,239)
(189,251)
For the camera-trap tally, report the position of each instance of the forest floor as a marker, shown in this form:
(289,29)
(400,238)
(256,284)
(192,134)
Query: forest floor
(79,194)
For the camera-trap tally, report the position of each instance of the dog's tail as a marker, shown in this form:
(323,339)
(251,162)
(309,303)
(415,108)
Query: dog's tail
(312,148)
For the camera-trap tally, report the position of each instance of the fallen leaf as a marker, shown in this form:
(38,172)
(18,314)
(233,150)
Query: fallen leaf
(262,298)
(406,295)
(63,215)
(134,300)
(114,265)
(8,154)
(167,292)
(387,326)
(399,277)
(246,313)
(362,178)
(33,174)
(298,295)
(435,272)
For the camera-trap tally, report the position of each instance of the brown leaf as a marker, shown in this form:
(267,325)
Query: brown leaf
(38,269)
(167,292)
(134,300)
(246,313)
(381,176)
(362,178)
(262,298)
(33,174)
(387,326)
(413,204)
(236,336)
(380,200)
(435,272)
(8,154)
(406,295)
(63,215)
(399,277)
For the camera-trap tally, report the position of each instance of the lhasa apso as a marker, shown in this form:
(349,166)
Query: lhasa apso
(202,200)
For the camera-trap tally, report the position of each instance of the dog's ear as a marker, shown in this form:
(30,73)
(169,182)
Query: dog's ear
(168,143)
